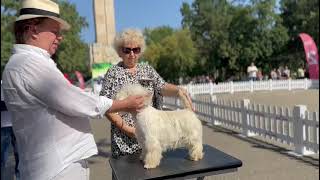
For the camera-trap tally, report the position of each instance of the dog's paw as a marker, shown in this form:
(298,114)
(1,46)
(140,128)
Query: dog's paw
(196,157)
(150,166)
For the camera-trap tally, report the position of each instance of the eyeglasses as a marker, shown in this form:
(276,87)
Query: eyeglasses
(57,33)
(136,50)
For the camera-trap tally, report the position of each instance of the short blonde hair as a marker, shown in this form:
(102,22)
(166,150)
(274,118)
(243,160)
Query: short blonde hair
(129,36)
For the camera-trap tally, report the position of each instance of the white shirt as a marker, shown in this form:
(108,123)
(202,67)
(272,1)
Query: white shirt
(287,72)
(50,117)
(252,70)
(300,72)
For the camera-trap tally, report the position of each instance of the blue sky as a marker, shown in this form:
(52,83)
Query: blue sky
(134,14)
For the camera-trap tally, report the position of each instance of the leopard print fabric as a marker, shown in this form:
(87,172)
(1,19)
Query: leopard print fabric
(117,77)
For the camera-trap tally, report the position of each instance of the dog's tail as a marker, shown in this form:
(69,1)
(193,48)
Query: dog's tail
(185,101)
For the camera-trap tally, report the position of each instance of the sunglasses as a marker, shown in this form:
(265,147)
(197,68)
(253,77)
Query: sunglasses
(126,50)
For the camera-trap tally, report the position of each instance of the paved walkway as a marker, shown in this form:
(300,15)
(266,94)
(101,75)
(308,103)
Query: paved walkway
(261,161)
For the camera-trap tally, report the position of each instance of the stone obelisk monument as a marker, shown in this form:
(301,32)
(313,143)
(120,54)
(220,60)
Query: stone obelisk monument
(102,50)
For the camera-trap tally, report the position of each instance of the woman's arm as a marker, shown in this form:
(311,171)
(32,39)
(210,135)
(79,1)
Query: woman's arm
(121,124)
(170,90)
(175,91)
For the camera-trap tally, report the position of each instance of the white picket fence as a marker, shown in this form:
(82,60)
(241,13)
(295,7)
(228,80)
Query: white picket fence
(242,86)
(250,86)
(295,127)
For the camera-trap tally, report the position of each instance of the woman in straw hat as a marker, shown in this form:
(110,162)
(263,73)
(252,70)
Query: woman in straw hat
(50,117)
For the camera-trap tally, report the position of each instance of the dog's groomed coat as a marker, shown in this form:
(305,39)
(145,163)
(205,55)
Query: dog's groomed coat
(158,131)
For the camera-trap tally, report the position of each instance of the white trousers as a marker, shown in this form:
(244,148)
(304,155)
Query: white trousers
(76,171)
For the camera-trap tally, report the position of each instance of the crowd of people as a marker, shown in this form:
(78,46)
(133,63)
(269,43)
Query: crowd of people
(280,73)
(51,117)
(197,79)
(254,74)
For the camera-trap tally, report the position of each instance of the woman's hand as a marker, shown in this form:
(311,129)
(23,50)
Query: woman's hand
(183,92)
(130,104)
(175,91)
(134,103)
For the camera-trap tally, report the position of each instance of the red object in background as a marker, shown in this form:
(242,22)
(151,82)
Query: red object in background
(68,78)
(80,79)
(312,56)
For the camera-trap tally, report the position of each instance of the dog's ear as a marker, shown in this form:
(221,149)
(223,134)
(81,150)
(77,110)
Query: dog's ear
(149,95)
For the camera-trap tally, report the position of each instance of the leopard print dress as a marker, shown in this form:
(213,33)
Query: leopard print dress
(117,77)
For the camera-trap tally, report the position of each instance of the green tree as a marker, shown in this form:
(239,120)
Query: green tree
(157,34)
(208,21)
(153,38)
(73,53)
(8,12)
(269,34)
(173,56)
(299,16)
(229,35)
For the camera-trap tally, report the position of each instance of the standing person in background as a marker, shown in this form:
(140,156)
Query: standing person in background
(286,72)
(252,72)
(50,116)
(280,72)
(130,45)
(8,142)
(301,74)
(273,74)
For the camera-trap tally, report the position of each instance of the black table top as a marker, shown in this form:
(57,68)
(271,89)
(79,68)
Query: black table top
(174,164)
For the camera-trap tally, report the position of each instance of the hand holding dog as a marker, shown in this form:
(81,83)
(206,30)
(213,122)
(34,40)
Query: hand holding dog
(183,92)
(134,103)
(129,104)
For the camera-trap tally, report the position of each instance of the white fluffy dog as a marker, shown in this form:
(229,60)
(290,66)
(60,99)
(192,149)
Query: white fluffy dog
(158,131)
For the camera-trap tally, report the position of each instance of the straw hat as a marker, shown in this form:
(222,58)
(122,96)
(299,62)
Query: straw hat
(41,8)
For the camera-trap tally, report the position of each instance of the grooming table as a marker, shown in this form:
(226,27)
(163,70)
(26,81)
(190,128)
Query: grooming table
(175,165)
